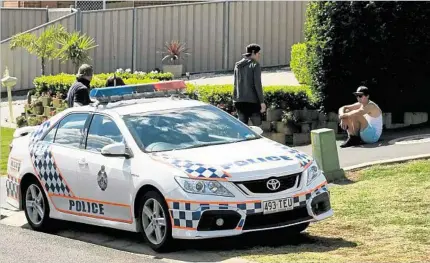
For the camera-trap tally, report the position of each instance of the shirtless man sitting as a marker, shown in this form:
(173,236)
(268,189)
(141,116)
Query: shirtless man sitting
(362,120)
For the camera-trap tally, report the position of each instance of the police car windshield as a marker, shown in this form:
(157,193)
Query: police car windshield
(186,128)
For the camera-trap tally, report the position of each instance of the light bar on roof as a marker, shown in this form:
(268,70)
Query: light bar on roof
(147,90)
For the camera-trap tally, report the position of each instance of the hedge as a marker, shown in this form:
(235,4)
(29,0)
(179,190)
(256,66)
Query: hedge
(61,83)
(382,45)
(299,64)
(284,97)
(288,98)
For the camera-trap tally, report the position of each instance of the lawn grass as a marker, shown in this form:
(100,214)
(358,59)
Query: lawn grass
(6,135)
(382,216)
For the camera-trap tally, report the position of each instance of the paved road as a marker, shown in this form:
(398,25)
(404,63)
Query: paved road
(23,245)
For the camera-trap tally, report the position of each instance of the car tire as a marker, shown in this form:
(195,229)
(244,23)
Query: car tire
(149,200)
(37,213)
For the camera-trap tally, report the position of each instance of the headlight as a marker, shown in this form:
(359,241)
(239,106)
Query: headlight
(205,187)
(313,172)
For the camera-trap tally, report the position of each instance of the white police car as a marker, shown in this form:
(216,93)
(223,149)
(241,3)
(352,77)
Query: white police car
(168,167)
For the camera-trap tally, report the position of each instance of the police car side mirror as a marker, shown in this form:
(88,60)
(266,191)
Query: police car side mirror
(116,150)
(257,129)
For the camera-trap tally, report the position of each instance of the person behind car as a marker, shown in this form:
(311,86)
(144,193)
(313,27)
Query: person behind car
(362,120)
(79,92)
(248,90)
(114,81)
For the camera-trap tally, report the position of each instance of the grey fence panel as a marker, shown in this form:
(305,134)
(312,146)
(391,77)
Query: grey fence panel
(113,32)
(215,33)
(25,66)
(16,20)
(275,25)
(55,13)
(199,26)
(55,66)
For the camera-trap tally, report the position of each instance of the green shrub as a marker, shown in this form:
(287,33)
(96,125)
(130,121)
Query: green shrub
(299,63)
(382,45)
(61,83)
(285,97)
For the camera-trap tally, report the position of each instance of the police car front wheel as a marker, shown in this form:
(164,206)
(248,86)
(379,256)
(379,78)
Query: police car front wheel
(36,206)
(155,221)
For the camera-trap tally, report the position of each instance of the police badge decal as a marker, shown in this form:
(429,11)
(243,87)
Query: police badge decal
(102,179)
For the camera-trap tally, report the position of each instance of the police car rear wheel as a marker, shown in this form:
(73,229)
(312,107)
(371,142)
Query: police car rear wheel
(155,222)
(36,206)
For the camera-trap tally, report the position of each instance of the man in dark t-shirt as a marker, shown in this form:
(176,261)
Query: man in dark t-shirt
(79,92)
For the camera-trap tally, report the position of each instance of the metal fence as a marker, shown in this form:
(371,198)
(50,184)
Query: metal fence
(55,13)
(15,20)
(216,34)
(25,66)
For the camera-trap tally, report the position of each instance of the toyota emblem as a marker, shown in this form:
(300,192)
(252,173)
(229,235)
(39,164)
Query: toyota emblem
(273,184)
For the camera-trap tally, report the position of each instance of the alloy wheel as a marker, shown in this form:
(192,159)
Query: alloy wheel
(35,204)
(154,221)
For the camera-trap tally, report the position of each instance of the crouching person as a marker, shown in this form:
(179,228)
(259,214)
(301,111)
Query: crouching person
(362,120)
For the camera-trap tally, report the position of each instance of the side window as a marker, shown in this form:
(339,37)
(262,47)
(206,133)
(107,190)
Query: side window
(70,130)
(49,137)
(103,131)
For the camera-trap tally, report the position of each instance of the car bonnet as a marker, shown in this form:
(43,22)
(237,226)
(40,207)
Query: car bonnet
(245,160)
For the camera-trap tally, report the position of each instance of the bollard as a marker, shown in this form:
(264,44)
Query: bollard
(8,82)
(324,151)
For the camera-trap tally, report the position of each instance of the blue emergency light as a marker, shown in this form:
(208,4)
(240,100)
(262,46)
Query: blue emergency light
(147,90)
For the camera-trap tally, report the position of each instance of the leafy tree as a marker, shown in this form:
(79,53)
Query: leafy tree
(75,47)
(43,46)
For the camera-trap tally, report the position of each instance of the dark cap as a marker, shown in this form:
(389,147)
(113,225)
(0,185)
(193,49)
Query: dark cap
(362,90)
(252,49)
(85,70)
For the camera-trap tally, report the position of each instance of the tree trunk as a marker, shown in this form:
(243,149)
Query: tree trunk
(43,66)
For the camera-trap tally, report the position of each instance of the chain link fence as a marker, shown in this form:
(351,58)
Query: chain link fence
(89,5)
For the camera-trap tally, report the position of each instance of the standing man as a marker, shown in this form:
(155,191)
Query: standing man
(248,91)
(362,120)
(79,92)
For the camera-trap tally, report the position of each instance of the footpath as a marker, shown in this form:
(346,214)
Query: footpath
(394,144)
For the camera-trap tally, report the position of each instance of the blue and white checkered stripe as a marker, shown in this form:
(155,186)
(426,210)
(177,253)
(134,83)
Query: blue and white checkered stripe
(12,187)
(47,170)
(193,169)
(188,214)
(37,134)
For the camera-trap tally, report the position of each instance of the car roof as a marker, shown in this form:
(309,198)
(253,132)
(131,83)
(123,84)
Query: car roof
(141,105)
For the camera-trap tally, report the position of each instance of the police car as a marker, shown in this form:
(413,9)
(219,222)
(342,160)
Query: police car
(147,159)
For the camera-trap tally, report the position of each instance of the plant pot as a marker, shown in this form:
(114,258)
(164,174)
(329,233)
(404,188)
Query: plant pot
(46,101)
(285,128)
(273,114)
(176,70)
(56,102)
(38,109)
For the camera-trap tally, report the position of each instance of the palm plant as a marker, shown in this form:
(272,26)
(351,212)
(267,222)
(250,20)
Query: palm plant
(75,47)
(43,46)
(175,51)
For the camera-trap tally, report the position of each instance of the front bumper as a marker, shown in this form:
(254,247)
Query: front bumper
(197,219)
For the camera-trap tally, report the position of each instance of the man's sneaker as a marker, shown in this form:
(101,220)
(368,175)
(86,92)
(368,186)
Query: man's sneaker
(352,140)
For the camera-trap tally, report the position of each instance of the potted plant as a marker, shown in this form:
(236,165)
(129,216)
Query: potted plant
(174,53)
(38,107)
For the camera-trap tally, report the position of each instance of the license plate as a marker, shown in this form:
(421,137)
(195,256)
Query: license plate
(279,205)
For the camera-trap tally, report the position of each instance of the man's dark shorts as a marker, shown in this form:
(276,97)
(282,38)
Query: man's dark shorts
(249,111)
